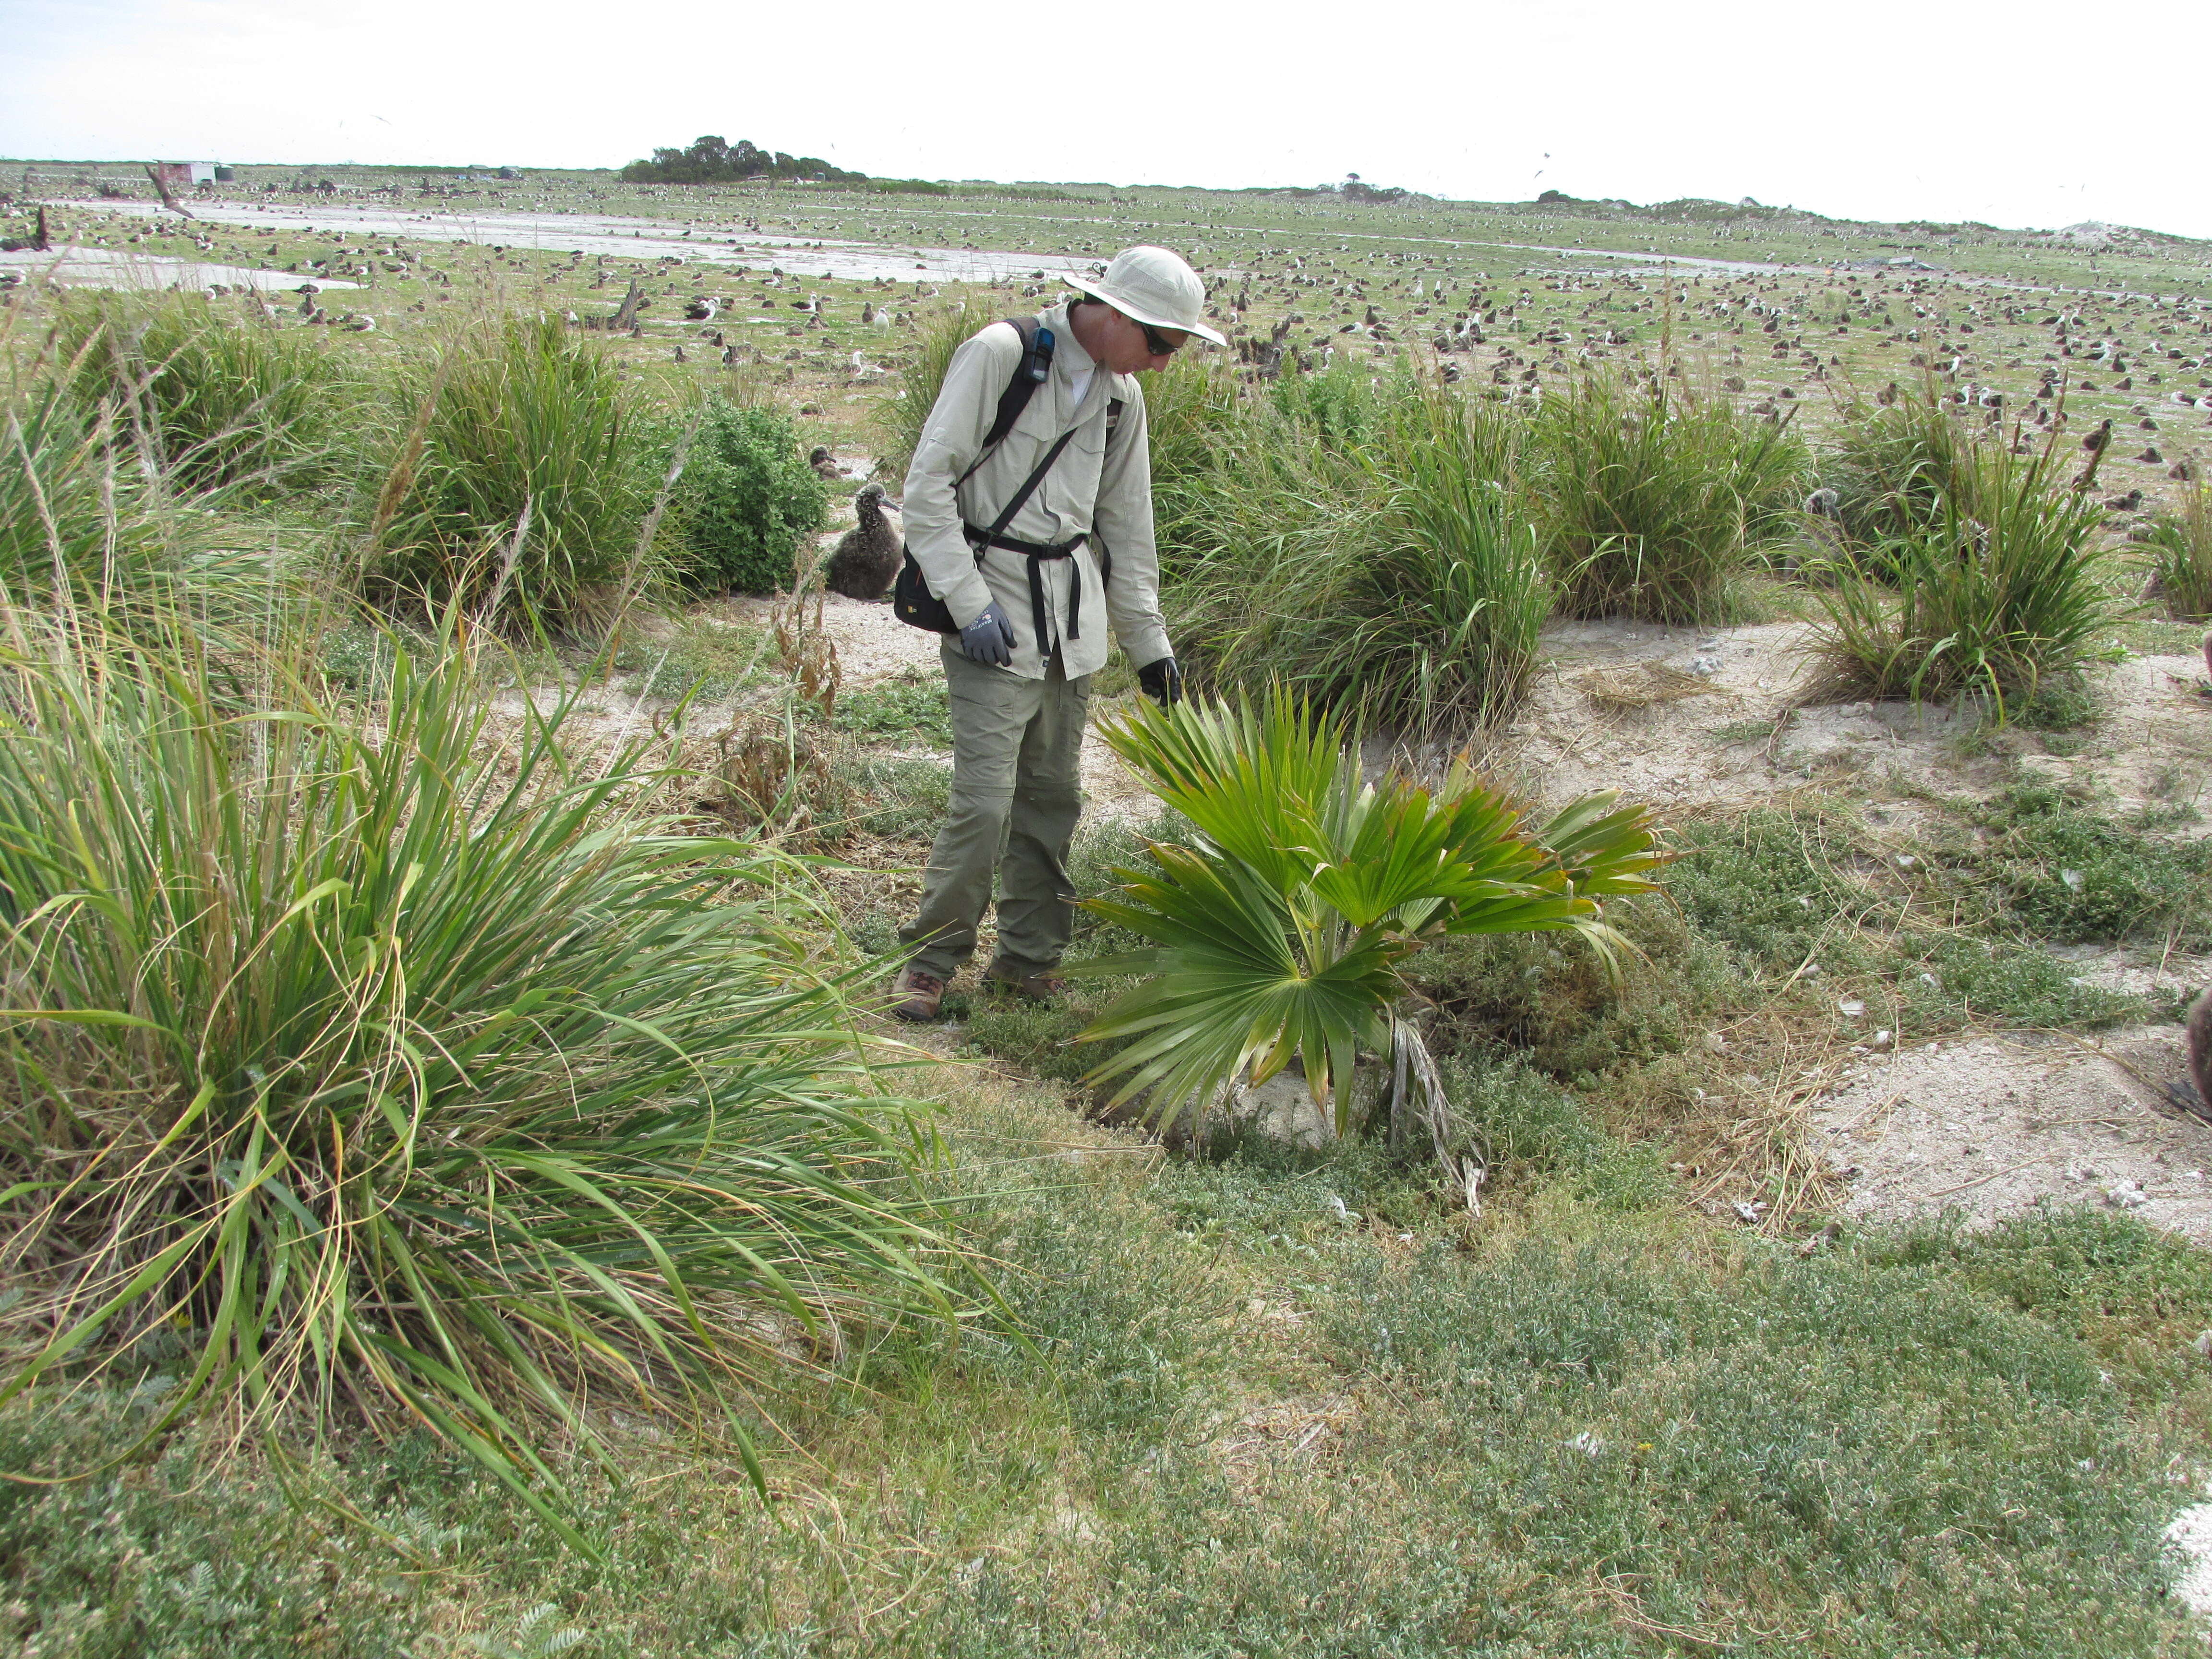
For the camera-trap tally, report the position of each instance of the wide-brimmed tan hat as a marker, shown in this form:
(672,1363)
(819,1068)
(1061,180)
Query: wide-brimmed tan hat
(1151,285)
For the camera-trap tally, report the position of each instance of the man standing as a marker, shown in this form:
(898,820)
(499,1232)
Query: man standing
(1032,595)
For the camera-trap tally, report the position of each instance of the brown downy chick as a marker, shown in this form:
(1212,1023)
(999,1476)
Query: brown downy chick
(2199,1028)
(868,556)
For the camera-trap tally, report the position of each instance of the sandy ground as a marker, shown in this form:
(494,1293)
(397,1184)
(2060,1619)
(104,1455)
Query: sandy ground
(1695,746)
(1988,1126)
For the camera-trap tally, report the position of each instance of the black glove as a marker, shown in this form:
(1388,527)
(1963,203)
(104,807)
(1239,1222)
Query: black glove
(1163,681)
(990,637)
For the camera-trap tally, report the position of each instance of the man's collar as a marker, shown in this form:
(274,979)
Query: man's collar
(1065,347)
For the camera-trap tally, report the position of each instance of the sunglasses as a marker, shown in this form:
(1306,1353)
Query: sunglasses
(1157,343)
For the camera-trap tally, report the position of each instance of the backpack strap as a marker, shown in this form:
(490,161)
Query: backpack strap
(1032,372)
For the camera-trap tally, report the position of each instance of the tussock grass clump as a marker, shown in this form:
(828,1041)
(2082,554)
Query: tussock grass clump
(1999,590)
(2181,556)
(1653,497)
(1368,545)
(1451,607)
(1891,469)
(403,1070)
(513,416)
(900,416)
(83,527)
(219,395)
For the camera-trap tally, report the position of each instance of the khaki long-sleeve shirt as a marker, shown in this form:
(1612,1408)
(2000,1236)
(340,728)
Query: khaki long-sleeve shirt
(1096,488)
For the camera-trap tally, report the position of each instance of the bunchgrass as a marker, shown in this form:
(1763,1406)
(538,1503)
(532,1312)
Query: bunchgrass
(2001,590)
(400,1072)
(88,526)
(2180,552)
(1655,498)
(1893,468)
(1451,604)
(218,394)
(512,487)
(900,416)
(1370,545)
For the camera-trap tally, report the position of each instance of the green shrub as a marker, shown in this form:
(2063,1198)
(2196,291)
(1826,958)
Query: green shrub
(223,397)
(515,416)
(2000,591)
(746,503)
(1340,406)
(1654,498)
(402,1068)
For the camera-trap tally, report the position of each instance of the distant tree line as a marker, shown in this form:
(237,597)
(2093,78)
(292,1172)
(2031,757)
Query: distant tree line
(714,161)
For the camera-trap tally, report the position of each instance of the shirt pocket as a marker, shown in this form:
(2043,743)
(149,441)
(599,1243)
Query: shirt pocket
(1071,488)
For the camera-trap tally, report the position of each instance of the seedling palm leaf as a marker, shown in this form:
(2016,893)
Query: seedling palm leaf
(1280,934)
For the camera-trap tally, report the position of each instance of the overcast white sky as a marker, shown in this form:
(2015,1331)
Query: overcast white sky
(2018,113)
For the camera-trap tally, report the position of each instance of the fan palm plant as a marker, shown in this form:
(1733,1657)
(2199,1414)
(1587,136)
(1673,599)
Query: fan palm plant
(1280,934)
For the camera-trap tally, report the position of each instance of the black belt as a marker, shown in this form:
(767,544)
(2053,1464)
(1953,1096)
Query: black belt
(1037,553)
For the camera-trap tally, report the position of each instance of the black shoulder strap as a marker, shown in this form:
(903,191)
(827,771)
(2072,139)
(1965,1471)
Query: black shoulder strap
(1020,390)
(1028,487)
(1030,372)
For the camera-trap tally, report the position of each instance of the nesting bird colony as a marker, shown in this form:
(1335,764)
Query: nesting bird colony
(819,289)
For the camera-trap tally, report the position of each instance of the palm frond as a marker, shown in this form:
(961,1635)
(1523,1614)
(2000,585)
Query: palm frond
(1279,932)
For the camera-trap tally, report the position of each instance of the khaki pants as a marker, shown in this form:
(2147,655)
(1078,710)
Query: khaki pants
(1017,794)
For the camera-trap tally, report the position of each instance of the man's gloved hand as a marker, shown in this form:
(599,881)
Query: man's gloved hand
(990,637)
(1162,681)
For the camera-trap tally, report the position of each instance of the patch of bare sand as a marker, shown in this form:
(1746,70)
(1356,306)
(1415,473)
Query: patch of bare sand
(1992,1125)
(1692,719)
(1695,718)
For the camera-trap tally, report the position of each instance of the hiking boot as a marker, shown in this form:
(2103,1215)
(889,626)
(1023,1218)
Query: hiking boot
(919,993)
(1043,985)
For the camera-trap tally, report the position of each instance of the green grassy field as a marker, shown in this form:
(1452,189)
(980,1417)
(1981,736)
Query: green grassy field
(1228,1400)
